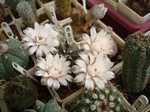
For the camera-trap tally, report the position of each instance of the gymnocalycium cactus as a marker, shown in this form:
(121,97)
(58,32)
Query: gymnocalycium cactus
(11,51)
(106,100)
(136,67)
(19,93)
(13,3)
(27,12)
(51,106)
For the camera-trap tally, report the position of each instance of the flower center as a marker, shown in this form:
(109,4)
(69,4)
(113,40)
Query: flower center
(92,70)
(40,40)
(55,72)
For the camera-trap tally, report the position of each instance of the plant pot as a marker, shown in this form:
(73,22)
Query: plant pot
(119,21)
(44,9)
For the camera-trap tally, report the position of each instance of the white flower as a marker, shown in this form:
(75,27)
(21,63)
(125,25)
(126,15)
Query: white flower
(93,72)
(53,71)
(100,42)
(40,40)
(99,11)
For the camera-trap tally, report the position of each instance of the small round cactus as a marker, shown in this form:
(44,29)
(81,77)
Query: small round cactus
(106,100)
(26,11)
(19,93)
(11,51)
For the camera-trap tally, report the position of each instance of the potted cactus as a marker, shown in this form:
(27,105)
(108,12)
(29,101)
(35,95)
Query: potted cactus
(73,64)
(11,51)
(136,62)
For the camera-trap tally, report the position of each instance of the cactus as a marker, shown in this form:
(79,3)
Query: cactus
(13,3)
(63,8)
(51,106)
(11,51)
(26,11)
(106,100)
(19,93)
(136,67)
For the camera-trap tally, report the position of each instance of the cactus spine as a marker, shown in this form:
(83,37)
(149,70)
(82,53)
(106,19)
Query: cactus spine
(136,67)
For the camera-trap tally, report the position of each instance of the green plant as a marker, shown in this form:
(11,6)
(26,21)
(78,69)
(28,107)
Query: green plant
(13,3)
(11,51)
(51,106)
(136,59)
(106,100)
(26,11)
(19,93)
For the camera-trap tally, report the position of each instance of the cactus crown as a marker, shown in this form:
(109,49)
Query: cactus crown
(106,100)
(24,9)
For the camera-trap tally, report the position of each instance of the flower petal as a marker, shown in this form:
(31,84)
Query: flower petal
(56,84)
(99,83)
(50,82)
(39,52)
(80,77)
(63,81)
(93,33)
(39,73)
(89,84)
(32,50)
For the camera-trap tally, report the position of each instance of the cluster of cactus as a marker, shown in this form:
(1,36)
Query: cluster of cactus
(107,100)
(19,93)
(25,8)
(26,11)
(11,51)
(136,62)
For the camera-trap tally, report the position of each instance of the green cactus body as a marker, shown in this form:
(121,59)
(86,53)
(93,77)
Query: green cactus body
(51,106)
(106,100)
(63,8)
(136,57)
(14,53)
(13,3)
(19,93)
(26,11)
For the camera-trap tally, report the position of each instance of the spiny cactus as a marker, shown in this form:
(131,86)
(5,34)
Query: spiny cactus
(26,11)
(136,58)
(63,8)
(19,93)
(106,100)
(11,51)
(13,3)
(51,106)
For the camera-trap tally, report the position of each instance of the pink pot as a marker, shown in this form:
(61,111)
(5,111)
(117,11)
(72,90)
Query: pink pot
(120,23)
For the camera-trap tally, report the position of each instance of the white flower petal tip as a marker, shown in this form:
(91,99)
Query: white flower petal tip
(100,42)
(99,11)
(54,71)
(95,72)
(41,39)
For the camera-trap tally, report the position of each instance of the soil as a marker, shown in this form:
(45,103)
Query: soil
(142,7)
